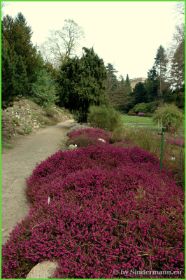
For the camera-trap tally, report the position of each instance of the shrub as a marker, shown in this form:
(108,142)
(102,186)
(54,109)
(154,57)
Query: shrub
(140,107)
(145,107)
(169,116)
(105,212)
(176,141)
(88,136)
(104,117)
(141,114)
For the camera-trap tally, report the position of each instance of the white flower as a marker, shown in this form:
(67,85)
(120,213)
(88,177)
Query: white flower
(173,158)
(101,139)
(48,200)
(71,146)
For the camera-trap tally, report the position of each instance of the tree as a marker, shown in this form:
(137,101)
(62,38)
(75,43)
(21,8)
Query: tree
(161,68)
(63,43)
(177,60)
(18,34)
(20,60)
(44,89)
(82,83)
(128,88)
(111,81)
(151,84)
(140,93)
(8,73)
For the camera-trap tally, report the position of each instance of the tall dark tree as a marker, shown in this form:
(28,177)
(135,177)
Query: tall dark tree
(161,68)
(20,60)
(152,84)
(128,87)
(111,81)
(82,83)
(8,73)
(140,93)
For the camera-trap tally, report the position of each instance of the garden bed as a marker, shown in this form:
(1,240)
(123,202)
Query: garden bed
(97,210)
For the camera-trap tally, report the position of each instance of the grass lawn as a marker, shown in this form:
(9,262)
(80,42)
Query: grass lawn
(138,121)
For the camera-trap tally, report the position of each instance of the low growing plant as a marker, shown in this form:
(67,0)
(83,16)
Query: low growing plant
(109,208)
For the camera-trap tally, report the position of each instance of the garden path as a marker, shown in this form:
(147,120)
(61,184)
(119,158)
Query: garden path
(18,164)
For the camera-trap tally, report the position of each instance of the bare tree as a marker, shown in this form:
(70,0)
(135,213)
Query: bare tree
(62,43)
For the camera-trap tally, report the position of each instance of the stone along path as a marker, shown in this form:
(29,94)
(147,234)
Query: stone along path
(18,163)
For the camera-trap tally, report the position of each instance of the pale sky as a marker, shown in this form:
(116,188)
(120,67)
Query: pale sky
(126,34)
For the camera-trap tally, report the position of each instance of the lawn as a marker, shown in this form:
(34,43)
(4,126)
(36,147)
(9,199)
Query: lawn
(139,121)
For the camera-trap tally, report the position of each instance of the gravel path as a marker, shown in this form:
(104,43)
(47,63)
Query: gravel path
(18,164)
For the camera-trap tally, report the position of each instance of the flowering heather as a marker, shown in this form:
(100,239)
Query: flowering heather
(94,133)
(176,141)
(110,208)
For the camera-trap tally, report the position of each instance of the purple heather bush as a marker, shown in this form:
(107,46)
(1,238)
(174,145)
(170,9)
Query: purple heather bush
(176,141)
(110,208)
(93,134)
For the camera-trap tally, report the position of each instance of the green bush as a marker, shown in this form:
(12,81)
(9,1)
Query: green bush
(145,107)
(169,116)
(104,117)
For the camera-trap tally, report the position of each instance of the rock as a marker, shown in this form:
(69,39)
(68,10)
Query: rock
(43,270)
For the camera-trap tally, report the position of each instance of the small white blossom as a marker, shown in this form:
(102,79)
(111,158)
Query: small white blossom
(101,139)
(48,200)
(71,146)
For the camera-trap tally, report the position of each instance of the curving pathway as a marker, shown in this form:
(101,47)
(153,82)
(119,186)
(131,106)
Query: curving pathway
(18,164)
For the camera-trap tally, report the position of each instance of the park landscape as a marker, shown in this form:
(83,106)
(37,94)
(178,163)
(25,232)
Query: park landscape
(93,162)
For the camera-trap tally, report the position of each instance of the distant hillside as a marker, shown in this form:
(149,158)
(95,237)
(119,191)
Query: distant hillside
(133,82)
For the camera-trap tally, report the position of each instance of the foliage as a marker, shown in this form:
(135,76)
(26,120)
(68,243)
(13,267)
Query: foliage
(152,84)
(44,89)
(179,141)
(91,132)
(104,117)
(118,91)
(98,217)
(88,136)
(169,116)
(111,81)
(140,93)
(145,107)
(81,83)
(20,60)
(149,140)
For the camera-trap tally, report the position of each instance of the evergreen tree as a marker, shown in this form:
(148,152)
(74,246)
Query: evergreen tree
(111,81)
(44,89)
(8,73)
(82,83)
(161,68)
(152,84)
(128,88)
(20,60)
(140,93)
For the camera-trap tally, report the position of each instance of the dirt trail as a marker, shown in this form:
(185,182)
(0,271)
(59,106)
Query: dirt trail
(18,164)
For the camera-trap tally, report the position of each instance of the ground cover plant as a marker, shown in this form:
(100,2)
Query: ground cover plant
(96,210)
(88,136)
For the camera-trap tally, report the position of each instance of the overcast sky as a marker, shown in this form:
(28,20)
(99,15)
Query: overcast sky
(126,34)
